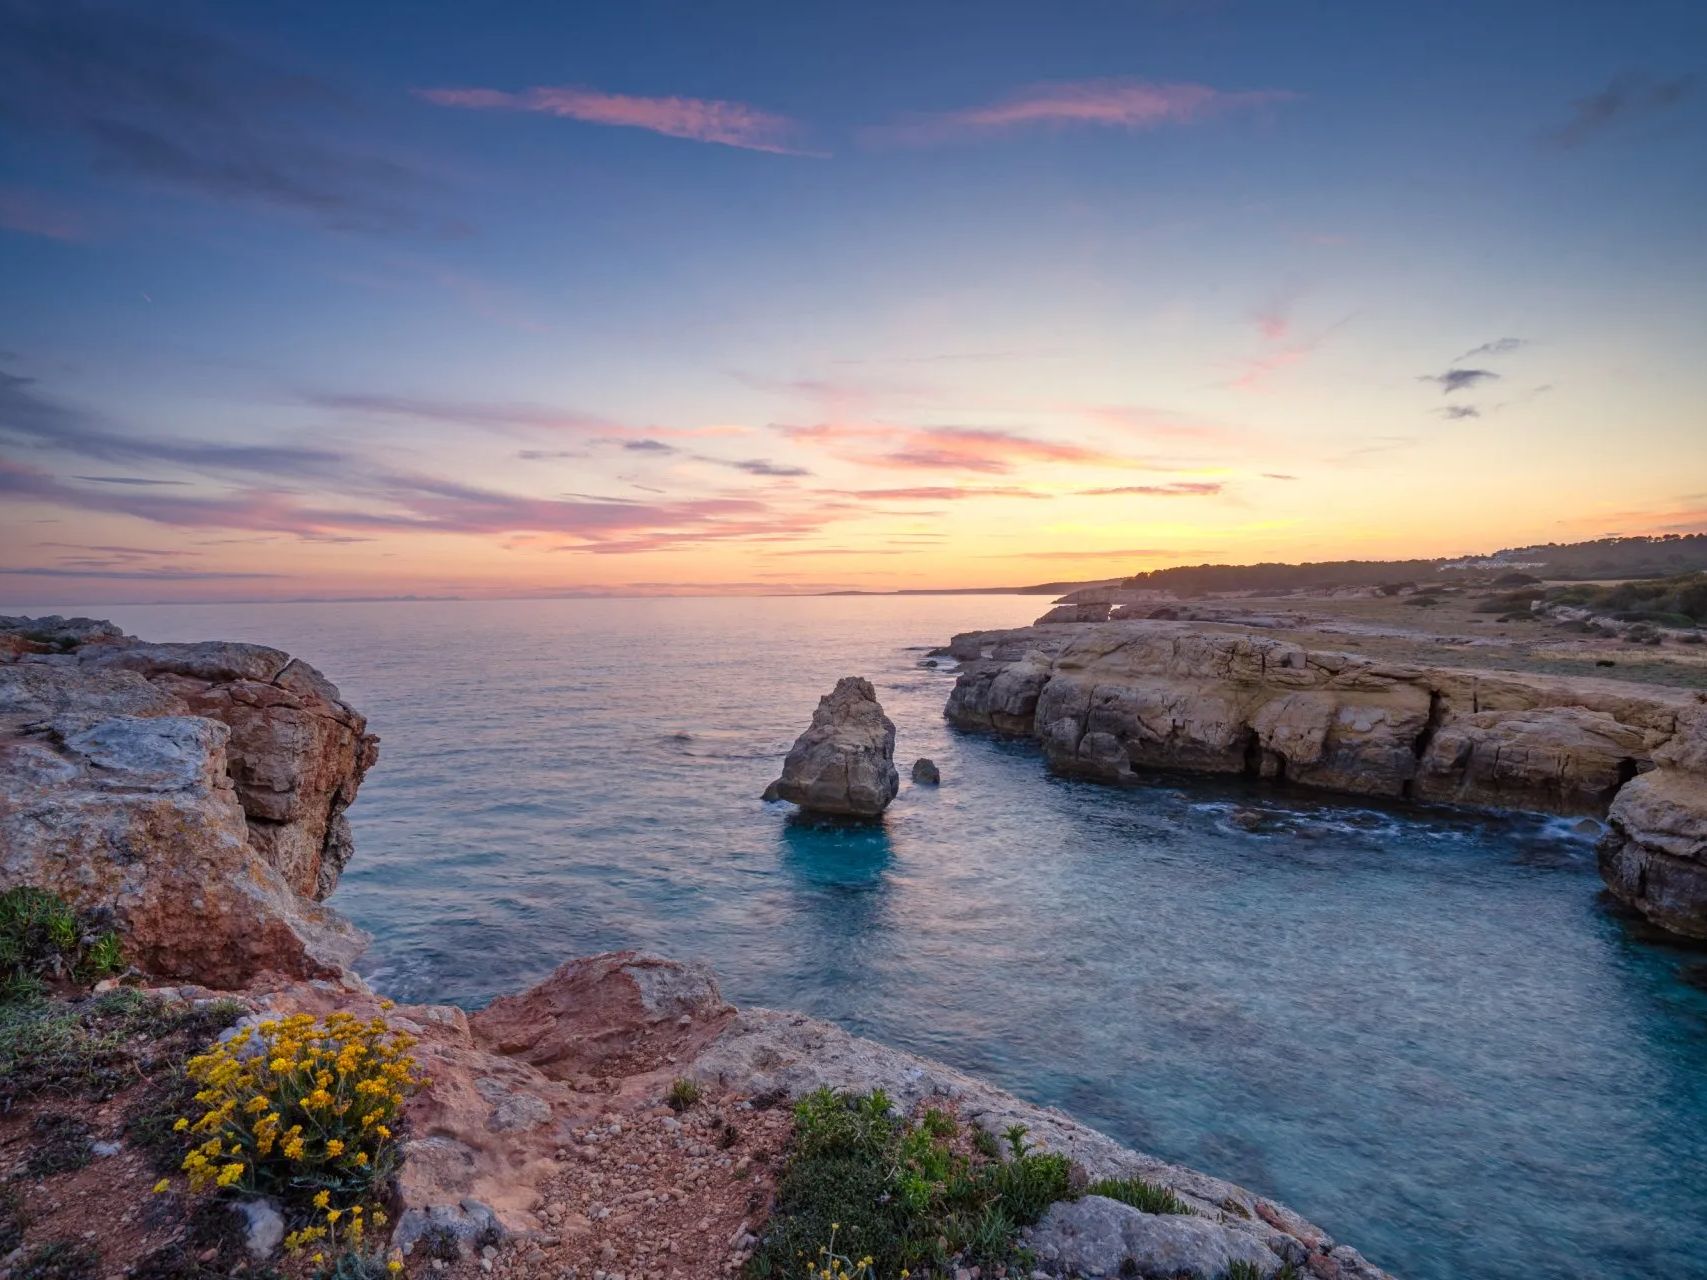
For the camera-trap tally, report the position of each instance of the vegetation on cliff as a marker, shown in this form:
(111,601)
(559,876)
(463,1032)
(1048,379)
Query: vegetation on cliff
(868,1191)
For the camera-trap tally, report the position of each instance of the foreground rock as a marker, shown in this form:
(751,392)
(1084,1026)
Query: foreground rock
(195,792)
(844,764)
(544,1126)
(1109,699)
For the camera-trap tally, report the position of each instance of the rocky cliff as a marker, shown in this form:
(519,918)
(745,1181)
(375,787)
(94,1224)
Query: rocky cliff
(195,791)
(844,764)
(1104,700)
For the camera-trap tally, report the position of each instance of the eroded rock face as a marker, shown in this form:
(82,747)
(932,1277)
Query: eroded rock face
(1653,856)
(844,764)
(1106,700)
(195,791)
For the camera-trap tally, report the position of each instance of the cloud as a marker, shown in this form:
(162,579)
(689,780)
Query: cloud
(937,493)
(759,467)
(1631,96)
(729,124)
(128,575)
(1498,347)
(1458,412)
(135,480)
(1180,489)
(647,446)
(33,215)
(181,107)
(980,450)
(549,455)
(1114,103)
(492,415)
(29,417)
(1277,475)
(1458,379)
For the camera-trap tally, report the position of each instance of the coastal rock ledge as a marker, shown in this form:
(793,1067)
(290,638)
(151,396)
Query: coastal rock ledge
(1106,700)
(844,764)
(194,791)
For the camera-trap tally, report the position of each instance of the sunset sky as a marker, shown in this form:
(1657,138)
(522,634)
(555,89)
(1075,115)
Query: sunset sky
(529,299)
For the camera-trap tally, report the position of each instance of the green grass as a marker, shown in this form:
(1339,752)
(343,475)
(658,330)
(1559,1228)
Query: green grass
(92,1048)
(42,939)
(908,1195)
(1139,1194)
(683,1094)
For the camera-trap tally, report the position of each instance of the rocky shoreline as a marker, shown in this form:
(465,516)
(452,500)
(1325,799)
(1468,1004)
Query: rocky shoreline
(194,797)
(1106,699)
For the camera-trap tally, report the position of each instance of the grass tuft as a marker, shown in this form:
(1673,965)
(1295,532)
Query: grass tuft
(1139,1194)
(684,1093)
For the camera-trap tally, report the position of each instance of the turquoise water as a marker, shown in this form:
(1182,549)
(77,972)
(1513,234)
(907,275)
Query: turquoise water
(1422,1029)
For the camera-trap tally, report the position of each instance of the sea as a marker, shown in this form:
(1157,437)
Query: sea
(1425,1029)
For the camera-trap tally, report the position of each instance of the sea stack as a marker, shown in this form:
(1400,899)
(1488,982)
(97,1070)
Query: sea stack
(844,764)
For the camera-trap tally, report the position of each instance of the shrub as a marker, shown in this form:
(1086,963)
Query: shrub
(41,937)
(303,1109)
(1139,1194)
(866,1192)
(683,1094)
(61,1260)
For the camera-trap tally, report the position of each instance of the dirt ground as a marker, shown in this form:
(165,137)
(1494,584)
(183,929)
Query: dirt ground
(1452,633)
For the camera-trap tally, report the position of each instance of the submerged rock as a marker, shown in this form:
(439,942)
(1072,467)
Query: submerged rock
(844,764)
(925,772)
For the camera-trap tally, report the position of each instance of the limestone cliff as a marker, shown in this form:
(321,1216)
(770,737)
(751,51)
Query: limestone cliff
(196,791)
(1104,700)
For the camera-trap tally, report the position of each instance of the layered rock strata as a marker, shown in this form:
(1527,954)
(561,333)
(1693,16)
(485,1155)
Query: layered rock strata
(1106,700)
(195,791)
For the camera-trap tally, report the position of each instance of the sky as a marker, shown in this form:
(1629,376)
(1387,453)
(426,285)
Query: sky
(356,301)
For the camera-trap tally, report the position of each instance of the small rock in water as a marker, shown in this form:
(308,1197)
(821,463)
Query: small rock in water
(1248,819)
(926,772)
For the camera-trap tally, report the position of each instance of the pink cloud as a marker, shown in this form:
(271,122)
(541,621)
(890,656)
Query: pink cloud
(981,450)
(1115,103)
(32,215)
(1175,489)
(730,124)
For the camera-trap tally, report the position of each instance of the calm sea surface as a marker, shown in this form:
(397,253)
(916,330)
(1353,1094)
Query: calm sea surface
(1420,1028)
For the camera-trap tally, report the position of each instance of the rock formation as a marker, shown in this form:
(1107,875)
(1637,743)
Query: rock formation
(844,764)
(1105,700)
(195,791)
(1654,853)
(925,772)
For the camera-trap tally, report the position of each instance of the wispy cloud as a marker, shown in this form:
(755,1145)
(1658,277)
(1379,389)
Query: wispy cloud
(492,415)
(1458,379)
(1458,412)
(131,480)
(129,575)
(729,124)
(977,450)
(1498,347)
(1180,489)
(1126,104)
(178,106)
(938,493)
(1631,96)
(31,214)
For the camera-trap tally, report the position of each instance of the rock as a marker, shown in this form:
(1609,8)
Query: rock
(761,1052)
(622,1009)
(1085,612)
(263,1227)
(844,764)
(172,787)
(1096,1236)
(1653,856)
(1248,819)
(1156,694)
(925,772)
(772,791)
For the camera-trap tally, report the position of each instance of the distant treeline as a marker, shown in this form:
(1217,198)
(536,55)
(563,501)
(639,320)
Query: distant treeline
(1638,557)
